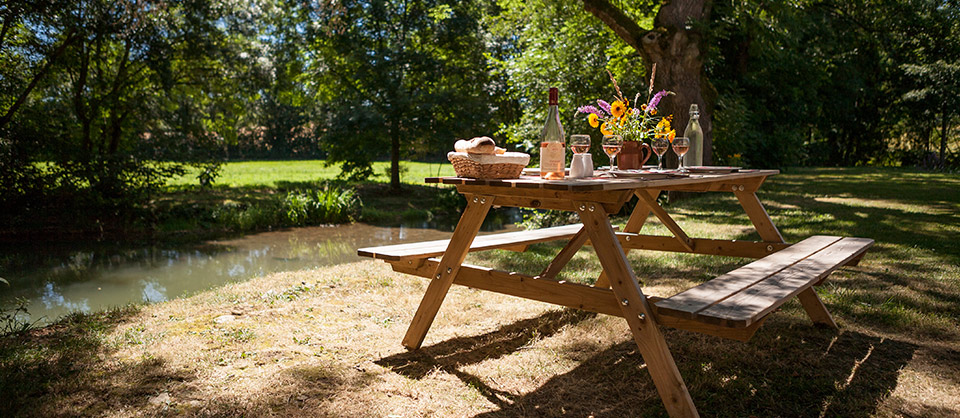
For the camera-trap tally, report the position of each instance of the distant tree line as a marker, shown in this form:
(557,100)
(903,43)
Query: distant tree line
(102,101)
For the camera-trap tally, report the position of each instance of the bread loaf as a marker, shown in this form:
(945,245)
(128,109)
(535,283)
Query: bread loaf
(480,145)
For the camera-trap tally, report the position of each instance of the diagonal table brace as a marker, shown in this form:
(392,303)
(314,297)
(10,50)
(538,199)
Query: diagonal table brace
(651,203)
(463,235)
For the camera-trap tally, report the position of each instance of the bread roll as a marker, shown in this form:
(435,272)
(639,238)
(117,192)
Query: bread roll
(482,145)
(500,151)
(461,145)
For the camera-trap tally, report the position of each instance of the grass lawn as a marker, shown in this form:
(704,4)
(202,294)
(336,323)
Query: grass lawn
(274,173)
(326,342)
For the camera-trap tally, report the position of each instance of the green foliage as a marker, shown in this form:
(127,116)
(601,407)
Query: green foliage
(548,43)
(11,319)
(399,79)
(328,204)
(824,83)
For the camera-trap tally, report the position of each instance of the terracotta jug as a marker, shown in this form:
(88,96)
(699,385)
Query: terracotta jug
(633,155)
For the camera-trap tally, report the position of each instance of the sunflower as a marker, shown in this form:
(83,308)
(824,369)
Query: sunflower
(594,120)
(605,129)
(617,108)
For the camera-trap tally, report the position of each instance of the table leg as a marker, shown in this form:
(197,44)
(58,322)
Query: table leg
(467,228)
(637,312)
(637,219)
(758,215)
(815,309)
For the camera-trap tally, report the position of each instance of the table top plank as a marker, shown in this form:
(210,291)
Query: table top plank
(651,180)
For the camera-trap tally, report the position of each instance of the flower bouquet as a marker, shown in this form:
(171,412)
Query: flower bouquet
(631,123)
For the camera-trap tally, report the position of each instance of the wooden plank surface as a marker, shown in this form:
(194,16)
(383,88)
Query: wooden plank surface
(758,300)
(428,249)
(686,304)
(581,185)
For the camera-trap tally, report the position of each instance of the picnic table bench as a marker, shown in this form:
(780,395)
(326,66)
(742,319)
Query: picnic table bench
(732,305)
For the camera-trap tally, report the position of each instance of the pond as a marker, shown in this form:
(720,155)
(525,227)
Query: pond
(60,279)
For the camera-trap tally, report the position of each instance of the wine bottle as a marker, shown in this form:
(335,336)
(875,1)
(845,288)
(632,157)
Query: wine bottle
(694,156)
(552,146)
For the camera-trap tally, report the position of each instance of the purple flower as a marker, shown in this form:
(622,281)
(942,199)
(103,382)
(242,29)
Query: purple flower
(604,105)
(588,109)
(656,99)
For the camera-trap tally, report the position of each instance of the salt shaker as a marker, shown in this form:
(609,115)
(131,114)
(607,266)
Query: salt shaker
(581,166)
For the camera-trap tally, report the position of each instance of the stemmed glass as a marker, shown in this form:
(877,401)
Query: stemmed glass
(612,144)
(680,146)
(580,144)
(660,146)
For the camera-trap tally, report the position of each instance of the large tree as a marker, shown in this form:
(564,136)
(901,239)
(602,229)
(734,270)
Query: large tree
(398,77)
(674,44)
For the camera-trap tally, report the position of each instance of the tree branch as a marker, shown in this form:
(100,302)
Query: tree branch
(621,24)
(8,115)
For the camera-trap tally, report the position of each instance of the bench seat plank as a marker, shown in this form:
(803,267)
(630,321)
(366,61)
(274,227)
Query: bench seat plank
(757,301)
(687,303)
(746,295)
(427,249)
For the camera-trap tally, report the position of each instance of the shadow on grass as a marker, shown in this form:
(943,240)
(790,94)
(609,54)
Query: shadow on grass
(788,369)
(450,355)
(58,370)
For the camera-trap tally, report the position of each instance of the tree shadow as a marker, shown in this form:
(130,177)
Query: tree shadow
(788,369)
(450,355)
(784,372)
(58,370)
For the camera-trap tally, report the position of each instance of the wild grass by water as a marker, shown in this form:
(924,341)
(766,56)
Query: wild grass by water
(326,342)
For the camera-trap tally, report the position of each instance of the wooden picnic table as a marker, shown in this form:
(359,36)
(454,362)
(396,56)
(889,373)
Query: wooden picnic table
(732,305)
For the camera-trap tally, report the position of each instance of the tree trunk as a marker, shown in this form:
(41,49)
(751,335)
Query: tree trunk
(676,51)
(395,157)
(944,118)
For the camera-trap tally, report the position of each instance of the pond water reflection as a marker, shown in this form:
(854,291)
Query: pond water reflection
(59,279)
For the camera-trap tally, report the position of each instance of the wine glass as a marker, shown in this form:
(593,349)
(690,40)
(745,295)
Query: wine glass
(611,146)
(580,144)
(660,146)
(680,146)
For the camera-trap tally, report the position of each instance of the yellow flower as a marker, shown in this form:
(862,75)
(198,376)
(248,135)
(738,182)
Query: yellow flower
(594,120)
(618,108)
(663,125)
(605,129)
(653,111)
(671,135)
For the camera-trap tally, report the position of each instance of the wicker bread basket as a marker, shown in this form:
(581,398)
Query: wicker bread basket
(482,166)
